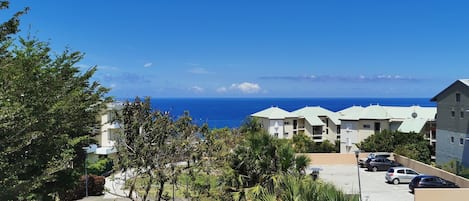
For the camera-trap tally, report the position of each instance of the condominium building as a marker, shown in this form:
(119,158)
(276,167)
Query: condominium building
(109,128)
(358,123)
(452,139)
(277,122)
(319,123)
(316,122)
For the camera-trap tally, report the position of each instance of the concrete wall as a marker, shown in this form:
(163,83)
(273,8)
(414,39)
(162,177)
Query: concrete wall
(453,194)
(447,150)
(430,170)
(334,158)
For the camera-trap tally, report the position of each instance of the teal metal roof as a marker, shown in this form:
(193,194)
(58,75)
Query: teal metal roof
(274,113)
(412,125)
(351,113)
(388,112)
(312,115)
(374,112)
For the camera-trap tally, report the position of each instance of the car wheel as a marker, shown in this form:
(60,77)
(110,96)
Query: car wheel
(374,169)
(395,181)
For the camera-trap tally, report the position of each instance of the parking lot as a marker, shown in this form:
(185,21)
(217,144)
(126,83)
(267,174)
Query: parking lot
(373,185)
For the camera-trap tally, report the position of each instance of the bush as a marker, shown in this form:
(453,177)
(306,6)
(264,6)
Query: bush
(95,187)
(100,167)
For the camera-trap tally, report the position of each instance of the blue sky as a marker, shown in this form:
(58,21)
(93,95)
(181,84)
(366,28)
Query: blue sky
(247,48)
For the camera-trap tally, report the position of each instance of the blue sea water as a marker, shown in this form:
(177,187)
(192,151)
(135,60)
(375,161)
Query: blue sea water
(230,112)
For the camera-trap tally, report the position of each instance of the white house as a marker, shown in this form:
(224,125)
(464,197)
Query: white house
(277,121)
(109,129)
(318,123)
(358,123)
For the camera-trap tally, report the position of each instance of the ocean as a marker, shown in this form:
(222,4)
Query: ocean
(231,112)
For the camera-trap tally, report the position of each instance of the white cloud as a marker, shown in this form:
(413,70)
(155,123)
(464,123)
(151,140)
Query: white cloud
(149,64)
(246,87)
(197,89)
(222,90)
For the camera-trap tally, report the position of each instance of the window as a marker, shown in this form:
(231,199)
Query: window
(287,122)
(366,126)
(377,127)
(452,139)
(276,134)
(338,129)
(295,124)
(461,114)
(458,97)
(461,141)
(411,172)
(295,132)
(453,113)
(327,131)
(400,171)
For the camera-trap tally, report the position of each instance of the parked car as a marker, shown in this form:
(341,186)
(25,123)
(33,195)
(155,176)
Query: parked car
(397,175)
(363,162)
(429,181)
(381,164)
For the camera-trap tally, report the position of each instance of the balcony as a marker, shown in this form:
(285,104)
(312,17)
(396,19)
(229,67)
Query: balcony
(114,125)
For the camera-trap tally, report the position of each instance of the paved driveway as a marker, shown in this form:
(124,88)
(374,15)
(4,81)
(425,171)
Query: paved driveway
(374,187)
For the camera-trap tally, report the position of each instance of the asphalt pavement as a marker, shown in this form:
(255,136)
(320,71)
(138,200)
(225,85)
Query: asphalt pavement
(373,184)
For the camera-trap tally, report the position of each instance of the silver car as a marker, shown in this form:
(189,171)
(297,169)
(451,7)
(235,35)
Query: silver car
(397,175)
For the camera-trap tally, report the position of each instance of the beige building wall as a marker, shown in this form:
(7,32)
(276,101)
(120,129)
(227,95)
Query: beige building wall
(329,130)
(348,136)
(333,158)
(288,128)
(367,128)
(450,194)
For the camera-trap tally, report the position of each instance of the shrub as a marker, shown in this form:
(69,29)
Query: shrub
(95,187)
(100,167)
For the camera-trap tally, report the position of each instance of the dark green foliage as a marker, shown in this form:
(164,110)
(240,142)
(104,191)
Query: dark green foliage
(411,145)
(295,187)
(418,151)
(304,144)
(100,167)
(258,160)
(95,187)
(49,109)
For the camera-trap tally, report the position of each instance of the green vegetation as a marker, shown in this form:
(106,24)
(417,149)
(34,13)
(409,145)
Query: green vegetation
(297,187)
(304,144)
(411,145)
(49,110)
(220,164)
(456,167)
(100,167)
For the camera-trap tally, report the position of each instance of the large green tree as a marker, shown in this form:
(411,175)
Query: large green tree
(48,110)
(412,145)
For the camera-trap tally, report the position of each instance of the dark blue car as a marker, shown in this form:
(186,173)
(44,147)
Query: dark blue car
(429,181)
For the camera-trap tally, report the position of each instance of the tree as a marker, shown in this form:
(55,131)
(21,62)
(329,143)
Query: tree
(412,145)
(49,110)
(151,144)
(258,160)
(296,187)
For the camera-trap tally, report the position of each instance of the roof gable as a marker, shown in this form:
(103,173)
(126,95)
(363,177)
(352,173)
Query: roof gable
(462,82)
(317,111)
(274,113)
